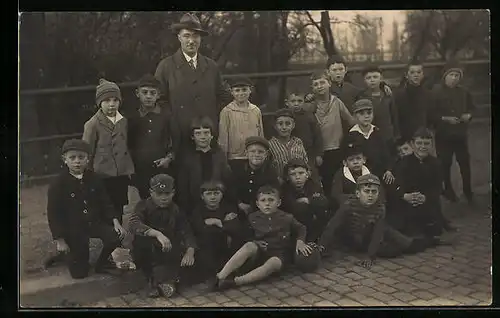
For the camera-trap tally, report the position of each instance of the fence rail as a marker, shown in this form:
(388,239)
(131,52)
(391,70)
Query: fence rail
(44,168)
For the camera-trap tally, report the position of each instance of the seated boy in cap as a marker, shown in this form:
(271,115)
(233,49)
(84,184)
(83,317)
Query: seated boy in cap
(361,222)
(257,172)
(239,120)
(203,161)
(344,181)
(216,226)
(284,146)
(149,136)
(164,246)
(78,208)
(304,198)
(273,229)
(370,138)
(418,188)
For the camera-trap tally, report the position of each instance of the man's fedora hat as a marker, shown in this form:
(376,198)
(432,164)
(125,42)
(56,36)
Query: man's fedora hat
(190,22)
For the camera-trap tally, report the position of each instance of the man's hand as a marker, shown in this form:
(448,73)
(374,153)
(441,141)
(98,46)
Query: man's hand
(303,200)
(366,262)
(387,90)
(388,177)
(420,198)
(451,120)
(62,246)
(163,162)
(303,248)
(188,258)
(465,117)
(409,197)
(245,208)
(119,229)
(230,216)
(213,221)
(166,245)
(319,161)
(261,244)
(309,98)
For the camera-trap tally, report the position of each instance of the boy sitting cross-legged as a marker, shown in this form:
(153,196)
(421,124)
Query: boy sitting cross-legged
(272,233)
(163,243)
(361,223)
(304,198)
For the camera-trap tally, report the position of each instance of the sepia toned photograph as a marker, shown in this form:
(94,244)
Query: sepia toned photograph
(274,159)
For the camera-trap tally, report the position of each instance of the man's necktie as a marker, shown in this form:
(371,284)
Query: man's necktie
(191,63)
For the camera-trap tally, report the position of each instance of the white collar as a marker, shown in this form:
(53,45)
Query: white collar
(358,129)
(348,174)
(189,58)
(116,118)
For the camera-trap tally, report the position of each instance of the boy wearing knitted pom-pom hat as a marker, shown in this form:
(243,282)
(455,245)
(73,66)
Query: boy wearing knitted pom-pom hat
(106,132)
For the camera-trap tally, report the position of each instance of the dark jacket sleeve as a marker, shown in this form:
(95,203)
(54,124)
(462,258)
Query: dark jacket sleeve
(317,135)
(136,221)
(197,221)
(395,117)
(299,229)
(335,222)
(469,102)
(106,206)
(55,213)
(376,239)
(317,198)
(433,190)
(185,230)
(337,192)
(161,75)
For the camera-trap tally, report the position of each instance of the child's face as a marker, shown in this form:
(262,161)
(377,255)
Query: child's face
(415,74)
(355,162)
(337,72)
(284,126)
(212,198)
(241,93)
(257,154)
(147,96)
(110,106)
(452,79)
(368,194)
(295,102)
(298,176)
(372,79)
(76,161)
(268,202)
(405,150)
(421,146)
(162,199)
(202,137)
(321,86)
(364,116)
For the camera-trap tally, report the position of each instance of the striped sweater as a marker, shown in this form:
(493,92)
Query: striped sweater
(284,152)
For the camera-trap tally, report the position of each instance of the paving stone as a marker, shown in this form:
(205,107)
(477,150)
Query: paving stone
(295,291)
(405,287)
(443,302)
(461,290)
(424,277)
(424,295)
(244,300)
(255,293)
(282,284)
(341,289)
(420,303)
(443,283)
(481,287)
(384,288)
(371,302)
(325,303)
(304,283)
(231,304)
(128,298)
(440,292)
(365,290)
(213,305)
(293,301)
(178,301)
(333,276)
(233,293)
(463,300)
(323,282)
(115,302)
(199,300)
(389,273)
(141,302)
(390,265)
(189,292)
(403,296)
(311,276)
(370,282)
(348,282)
(245,288)
(277,293)
(406,271)
(356,296)
(382,297)
(315,289)
(346,302)
(423,285)
(353,276)
(310,298)
(387,280)
(481,296)
(256,305)
(397,303)
(219,298)
(269,301)
(329,295)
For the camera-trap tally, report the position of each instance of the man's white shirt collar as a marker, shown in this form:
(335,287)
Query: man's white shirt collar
(358,129)
(349,176)
(189,58)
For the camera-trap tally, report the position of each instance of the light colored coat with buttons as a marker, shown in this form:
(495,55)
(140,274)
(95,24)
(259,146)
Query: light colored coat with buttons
(110,155)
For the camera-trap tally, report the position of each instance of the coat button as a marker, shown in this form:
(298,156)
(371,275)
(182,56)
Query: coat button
(85,211)
(149,130)
(250,181)
(182,106)
(150,120)
(72,195)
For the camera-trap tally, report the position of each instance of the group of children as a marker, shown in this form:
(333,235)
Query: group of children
(238,207)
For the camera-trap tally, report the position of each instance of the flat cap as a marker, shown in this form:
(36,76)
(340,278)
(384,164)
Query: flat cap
(257,140)
(75,144)
(362,104)
(284,112)
(162,183)
(368,179)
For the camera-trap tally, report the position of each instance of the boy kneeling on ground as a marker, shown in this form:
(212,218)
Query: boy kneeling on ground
(361,220)
(272,232)
(78,209)
(164,245)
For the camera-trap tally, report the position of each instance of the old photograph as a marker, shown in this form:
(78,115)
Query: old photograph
(277,159)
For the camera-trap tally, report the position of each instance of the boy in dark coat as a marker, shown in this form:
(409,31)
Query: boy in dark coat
(304,198)
(418,186)
(344,182)
(150,136)
(78,208)
(164,246)
(361,223)
(273,230)
(217,226)
(371,139)
(452,115)
(203,161)
(256,173)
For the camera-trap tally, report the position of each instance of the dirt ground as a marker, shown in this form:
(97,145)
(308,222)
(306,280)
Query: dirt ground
(35,238)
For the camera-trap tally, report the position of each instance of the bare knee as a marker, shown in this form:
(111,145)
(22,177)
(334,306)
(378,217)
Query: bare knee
(274,263)
(250,247)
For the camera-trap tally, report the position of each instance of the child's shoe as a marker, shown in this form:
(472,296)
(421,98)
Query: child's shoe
(152,290)
(167,290)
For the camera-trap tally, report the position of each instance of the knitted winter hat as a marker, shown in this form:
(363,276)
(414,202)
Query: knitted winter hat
(106,89)
(453,66)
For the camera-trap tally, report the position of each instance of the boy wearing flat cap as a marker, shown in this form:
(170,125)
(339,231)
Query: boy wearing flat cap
(164,246)
(239,120)
(150,138)
(361,221)
(78,208)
